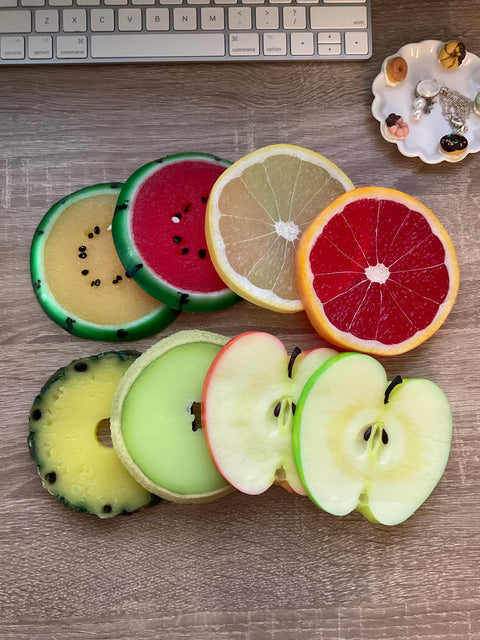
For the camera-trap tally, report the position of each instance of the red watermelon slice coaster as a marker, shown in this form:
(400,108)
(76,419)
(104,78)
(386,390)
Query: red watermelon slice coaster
(159,232)
(377,272)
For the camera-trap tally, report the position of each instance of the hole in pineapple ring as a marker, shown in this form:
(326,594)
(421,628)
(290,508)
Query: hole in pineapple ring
(103,434)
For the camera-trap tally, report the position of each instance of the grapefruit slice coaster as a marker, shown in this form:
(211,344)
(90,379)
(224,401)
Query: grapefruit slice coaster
(159,232)
(377,272)
(78,278)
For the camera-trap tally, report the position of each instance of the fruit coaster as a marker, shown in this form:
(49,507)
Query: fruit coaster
(78,278)
(444,106)
(159,232)
(156,424)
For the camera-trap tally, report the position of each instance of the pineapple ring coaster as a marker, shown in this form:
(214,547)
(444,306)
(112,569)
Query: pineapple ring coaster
(78,278)
(68,420)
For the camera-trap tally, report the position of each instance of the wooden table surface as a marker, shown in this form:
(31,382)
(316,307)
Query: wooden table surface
(258,568)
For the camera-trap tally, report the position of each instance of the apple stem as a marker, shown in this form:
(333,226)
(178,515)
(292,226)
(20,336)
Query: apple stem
(396,381)
(295,353)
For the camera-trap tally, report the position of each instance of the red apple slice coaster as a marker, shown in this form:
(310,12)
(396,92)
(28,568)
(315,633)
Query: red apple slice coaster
(159,232)
(377,272)
(248,403)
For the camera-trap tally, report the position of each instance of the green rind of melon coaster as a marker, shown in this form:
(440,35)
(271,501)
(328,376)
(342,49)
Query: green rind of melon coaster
(143,327)
(155,286)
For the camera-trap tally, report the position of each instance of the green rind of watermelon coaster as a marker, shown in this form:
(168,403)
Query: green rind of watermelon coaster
(167,252)
(155,315)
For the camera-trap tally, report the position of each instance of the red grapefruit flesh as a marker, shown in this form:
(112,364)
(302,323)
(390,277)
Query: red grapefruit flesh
(377,272)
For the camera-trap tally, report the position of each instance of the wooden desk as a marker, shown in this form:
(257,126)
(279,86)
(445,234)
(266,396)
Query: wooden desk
(256,568)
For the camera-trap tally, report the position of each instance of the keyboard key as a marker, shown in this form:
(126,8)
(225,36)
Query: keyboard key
(46,21)
(267,17)
(157,19)
(344,1)
(129,19)
(329,37)
(198,1)
(164,45)
(301,44)
(225,2)
(112,3)
(294,18)
(329,49)
(356,43)
(239,18)
(40,47)
(102,20)
(16,22)
(331,18)
(71,47)
(212,19)
(138,2)
(244,44)
(33,3)
(12,48)
(275,44)
(5,4)
(60,3)
(74,20)
(185,19)
(88,3)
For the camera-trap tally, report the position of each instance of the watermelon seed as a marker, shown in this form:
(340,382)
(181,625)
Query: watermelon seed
(276,410)
(185,251)
(203,199)
(202,253)
(90,235)
(51,477)
(96,230)
(69,322)
(82,248)
(36,285)
(295,353)
(107,508)
(177,239)
(131,272)
(37,414)
(121,333)
(187,207)
(85,272)
(183,300)
(176,218)
(367,433)
(81,367)
(82,255)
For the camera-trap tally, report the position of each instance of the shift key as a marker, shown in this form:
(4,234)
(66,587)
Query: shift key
(16,22)
(330,18)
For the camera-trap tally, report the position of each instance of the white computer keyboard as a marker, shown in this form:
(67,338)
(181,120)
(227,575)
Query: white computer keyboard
(86,31)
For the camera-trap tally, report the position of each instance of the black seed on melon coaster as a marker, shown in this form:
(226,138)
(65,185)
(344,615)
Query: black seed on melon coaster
(82,248)
(121,333)
(69,322)
(36,414)
(114,185)
(81,367)
(90,235)
(97,282)
(82,255)
(176,218)
(85,272)
(177,239)
(131,272)
(36,285)
(121,207)
(39,232)
(183,300)
(185,251)
(367,433)
(107,508)
(187,207)
(276,410)
(96,230)
(119,278)
(51,477)
(202,253)
(203,199)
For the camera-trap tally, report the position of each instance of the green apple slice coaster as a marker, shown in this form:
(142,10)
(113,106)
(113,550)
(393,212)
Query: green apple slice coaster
(248,402)
(362,443)
(155,420)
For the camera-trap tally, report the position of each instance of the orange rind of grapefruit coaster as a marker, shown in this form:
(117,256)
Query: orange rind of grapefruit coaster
(377,272)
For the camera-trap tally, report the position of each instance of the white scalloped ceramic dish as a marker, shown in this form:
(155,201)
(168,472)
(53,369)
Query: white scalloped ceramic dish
(424,136)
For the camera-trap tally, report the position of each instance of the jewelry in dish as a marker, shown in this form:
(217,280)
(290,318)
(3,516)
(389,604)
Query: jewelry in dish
(456,109)
(426,91)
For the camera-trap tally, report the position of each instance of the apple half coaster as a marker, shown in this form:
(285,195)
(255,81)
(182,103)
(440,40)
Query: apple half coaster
(78,278)
(248,404)
(159,232)
(362,443)
(156,423)
(69,441)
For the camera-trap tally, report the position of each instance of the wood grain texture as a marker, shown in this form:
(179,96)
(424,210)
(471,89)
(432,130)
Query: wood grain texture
(271,567)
